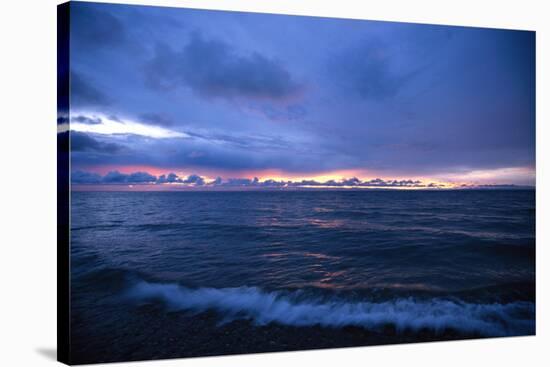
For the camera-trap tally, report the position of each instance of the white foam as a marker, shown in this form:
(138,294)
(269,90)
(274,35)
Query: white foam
(405,314)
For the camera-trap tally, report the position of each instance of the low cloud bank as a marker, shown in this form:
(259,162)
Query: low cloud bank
(136,178)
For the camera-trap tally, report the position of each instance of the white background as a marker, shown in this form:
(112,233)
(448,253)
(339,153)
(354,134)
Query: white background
(28,184)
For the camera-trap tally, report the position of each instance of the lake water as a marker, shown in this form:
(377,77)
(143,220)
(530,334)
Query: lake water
(460,262)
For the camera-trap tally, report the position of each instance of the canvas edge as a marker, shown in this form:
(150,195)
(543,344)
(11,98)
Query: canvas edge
(63,185)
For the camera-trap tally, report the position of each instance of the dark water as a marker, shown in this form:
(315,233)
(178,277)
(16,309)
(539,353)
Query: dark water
(439,262)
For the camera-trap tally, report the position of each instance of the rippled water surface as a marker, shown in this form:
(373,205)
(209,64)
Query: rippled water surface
(463,260)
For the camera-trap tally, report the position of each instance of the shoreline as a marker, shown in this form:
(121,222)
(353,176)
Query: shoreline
(149,332)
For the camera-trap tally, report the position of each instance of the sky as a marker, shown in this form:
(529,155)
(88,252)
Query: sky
(170,98)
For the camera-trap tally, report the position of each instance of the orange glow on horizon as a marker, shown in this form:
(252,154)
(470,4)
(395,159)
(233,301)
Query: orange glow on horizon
(279,175)
(447,181)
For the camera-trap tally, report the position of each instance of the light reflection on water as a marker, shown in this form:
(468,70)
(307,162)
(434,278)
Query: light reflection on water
(344,240)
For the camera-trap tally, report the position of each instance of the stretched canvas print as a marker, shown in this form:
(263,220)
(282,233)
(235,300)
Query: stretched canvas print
(233,182)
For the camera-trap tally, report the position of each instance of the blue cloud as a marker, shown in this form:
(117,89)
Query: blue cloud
(115,177)
(82,142)
(81,177)
(366,69)
(213,68)
(86,120)
(84,93)
(154,118)
(169,178)
(194,180)
(97,28)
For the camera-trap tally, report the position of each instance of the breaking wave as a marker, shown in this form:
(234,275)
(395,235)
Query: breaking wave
(290,308)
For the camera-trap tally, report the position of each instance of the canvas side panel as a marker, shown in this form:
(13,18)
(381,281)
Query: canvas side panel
(63,185)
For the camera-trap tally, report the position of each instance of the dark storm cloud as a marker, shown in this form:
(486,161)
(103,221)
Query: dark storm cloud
(97,28)
(239,182)
(194,179)
(153,118)
(81,177)
(84,93)
(208,150)
(366,70)
(86,120)
(169,178)
(213,68)
(259,142)
(141,177)
(351,181)
(115,177)
(81,142)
